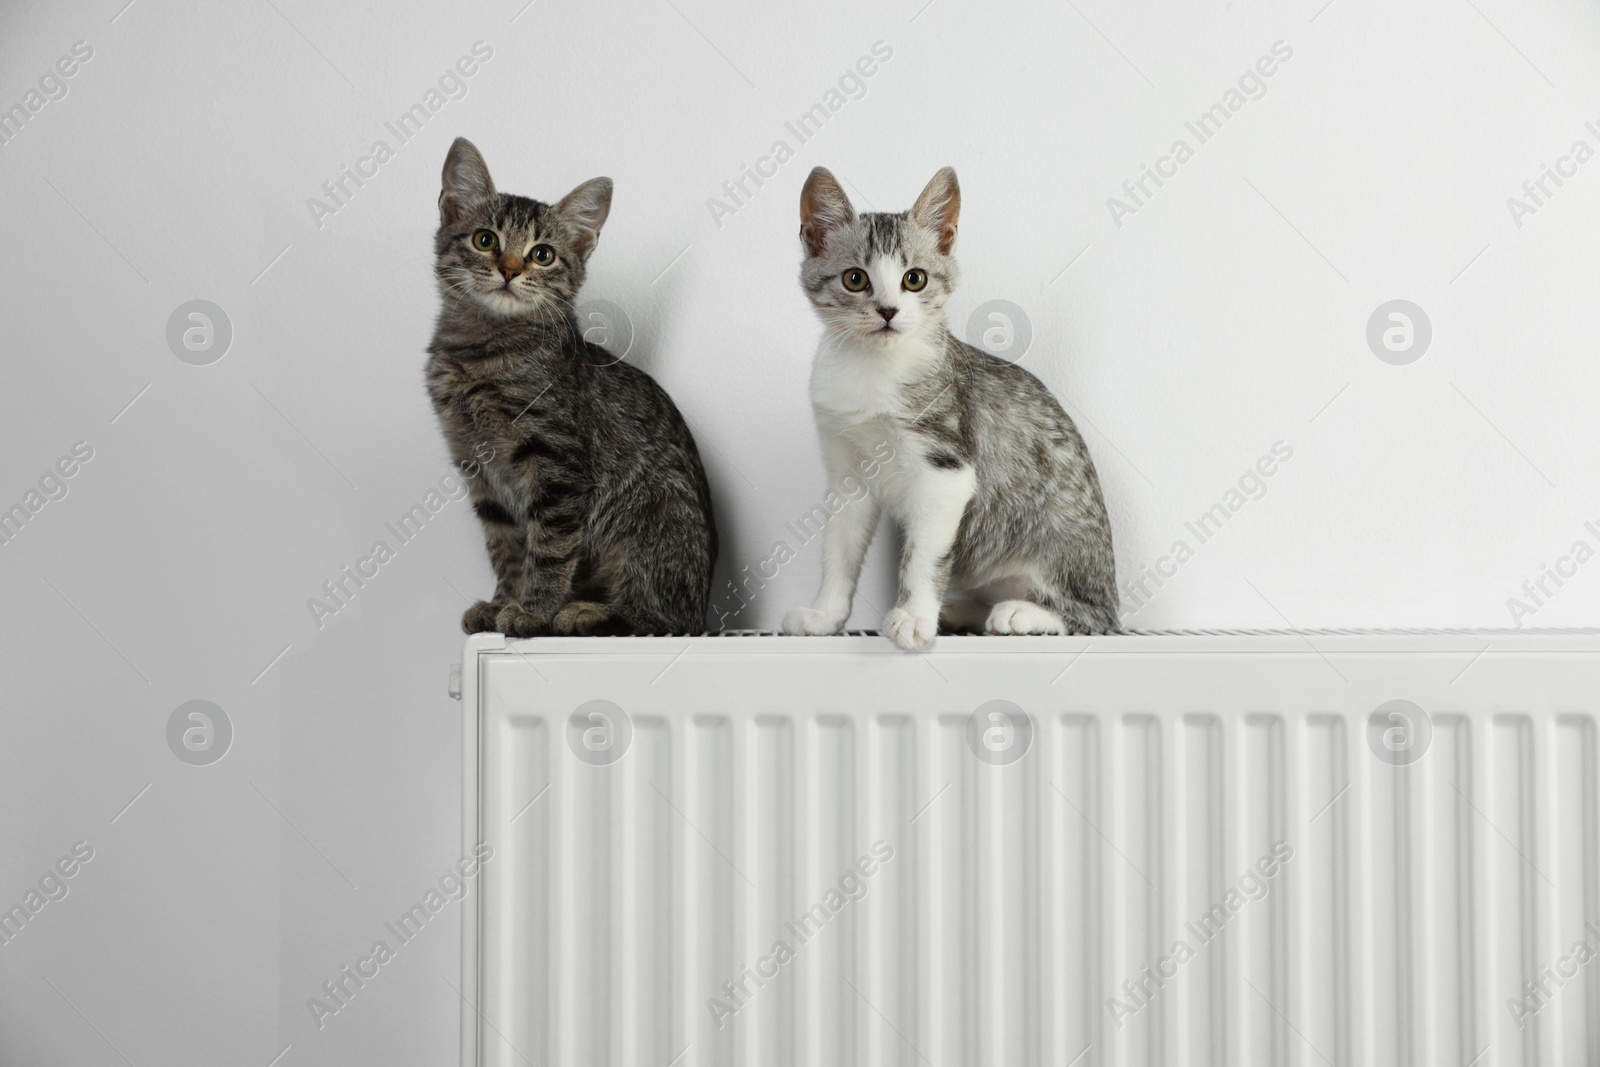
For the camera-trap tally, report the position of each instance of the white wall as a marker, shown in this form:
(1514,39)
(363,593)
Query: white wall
(1227,314)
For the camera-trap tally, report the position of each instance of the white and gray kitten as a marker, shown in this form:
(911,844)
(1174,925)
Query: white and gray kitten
(992,485)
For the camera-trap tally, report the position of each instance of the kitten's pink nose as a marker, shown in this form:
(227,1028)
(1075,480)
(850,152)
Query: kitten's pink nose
(511,266)
(887,313)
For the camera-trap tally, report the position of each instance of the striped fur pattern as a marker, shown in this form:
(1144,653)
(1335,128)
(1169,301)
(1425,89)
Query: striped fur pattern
(1005,529)
(594,504)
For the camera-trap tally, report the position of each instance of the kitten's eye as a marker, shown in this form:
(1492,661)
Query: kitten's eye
(485,240)
(854,279)
(544,255)
(914,280)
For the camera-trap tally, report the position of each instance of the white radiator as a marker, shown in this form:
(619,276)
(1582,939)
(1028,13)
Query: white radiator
(1197,849)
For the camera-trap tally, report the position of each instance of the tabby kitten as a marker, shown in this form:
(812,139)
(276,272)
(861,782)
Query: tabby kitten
(992,485)
(594,504)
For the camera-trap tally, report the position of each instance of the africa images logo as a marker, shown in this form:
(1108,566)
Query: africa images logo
(999,732)
(1399,732)
(599,732)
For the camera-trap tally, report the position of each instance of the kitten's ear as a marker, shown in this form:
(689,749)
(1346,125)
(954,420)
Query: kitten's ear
(823,209)
(939,206)
(586,208)
(466,181)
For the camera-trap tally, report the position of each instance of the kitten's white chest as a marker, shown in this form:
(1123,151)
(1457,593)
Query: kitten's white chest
(862,408)
(854,382)
(853,389)
(858,398)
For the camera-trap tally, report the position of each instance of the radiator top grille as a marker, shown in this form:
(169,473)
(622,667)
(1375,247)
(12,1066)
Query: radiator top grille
(1419,631)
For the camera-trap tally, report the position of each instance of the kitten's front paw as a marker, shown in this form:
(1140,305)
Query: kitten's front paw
(514,620)
(582,617)
(480,618)
(914,633)
(812,622)
(1023,617)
